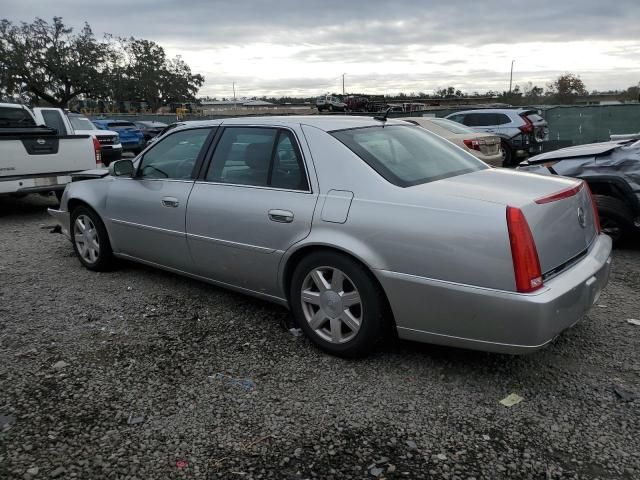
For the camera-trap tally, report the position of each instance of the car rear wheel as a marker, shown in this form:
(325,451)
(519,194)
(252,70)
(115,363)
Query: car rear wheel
(507,154)
(90,240)
(616,218)
(338,304)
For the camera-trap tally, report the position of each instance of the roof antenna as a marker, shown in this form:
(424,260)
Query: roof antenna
(383,117)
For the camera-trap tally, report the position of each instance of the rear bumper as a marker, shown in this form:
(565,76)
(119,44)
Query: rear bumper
(45,183)
(63,219)
(446,313)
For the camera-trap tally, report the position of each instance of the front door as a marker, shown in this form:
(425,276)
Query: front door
(147,212)
(253,203)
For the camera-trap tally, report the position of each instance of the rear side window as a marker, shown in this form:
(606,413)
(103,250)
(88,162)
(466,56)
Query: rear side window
(501,119)
(479,119)
(255,156)
(407,155)
(53,119)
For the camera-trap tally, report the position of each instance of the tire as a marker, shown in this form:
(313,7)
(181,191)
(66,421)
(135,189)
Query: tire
(507,154)
(99,259)
(331,108)
(616,218)
(58,194)
(341,329)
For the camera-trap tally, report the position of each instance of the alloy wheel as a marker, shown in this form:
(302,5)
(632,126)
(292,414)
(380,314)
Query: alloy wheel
(331,304)
(85,236)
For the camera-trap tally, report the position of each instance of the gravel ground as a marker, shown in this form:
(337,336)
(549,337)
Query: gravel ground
(115,376)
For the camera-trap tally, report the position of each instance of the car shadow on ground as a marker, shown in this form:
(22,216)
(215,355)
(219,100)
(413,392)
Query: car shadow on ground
(29,205)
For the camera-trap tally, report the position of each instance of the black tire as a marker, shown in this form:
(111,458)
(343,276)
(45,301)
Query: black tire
(616,218)
(372,309)
(331,108)
(104,260)
(507,154)
(58,194)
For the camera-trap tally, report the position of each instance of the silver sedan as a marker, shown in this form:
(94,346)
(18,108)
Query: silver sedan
(361,226)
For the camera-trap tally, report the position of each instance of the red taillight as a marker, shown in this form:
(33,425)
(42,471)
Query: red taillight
(473,144)
(97,152)
(596,215)
(528,125)
(562,194)
(526,265)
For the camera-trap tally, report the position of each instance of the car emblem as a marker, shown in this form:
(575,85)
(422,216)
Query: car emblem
(41,141)
(581,218)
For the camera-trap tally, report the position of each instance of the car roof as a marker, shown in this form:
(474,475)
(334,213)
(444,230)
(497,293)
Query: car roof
(13,105)
(327,123)
(494,110)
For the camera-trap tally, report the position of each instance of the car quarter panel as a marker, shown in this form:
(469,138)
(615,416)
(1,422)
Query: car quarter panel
(422,230)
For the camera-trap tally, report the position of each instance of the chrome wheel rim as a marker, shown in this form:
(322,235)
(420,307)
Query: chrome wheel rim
(85,236)
(331,304)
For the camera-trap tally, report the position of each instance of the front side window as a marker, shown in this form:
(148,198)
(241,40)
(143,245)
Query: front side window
(174,156)
(408,155)
(256,156)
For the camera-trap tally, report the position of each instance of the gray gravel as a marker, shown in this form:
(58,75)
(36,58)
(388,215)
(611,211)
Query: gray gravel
(116,376)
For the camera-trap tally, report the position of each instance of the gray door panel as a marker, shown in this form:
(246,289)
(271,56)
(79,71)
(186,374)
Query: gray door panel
(147,220)
(237,234)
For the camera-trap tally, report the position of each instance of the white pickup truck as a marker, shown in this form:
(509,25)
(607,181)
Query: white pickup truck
(35,158)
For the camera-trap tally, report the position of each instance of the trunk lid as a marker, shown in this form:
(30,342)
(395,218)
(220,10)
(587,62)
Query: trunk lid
(562,228)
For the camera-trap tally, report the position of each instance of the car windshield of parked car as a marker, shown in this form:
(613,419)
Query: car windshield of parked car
(82,123)
(450,126)
(408,155)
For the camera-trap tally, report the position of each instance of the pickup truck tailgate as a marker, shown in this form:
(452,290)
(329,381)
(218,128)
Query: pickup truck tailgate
(35,155)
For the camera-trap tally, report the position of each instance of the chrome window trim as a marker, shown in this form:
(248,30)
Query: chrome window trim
(260,187)
(274,127)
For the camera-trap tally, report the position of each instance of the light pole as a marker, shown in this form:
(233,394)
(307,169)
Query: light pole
(511,76)
(343,83)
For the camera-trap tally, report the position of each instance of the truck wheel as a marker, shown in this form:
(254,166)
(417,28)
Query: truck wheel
(90,240)
(507,154)
(616,218)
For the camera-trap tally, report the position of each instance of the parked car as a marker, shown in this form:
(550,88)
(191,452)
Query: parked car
(171,126)
(522,131)
(612,171)
(150,129)
(110,145)
(359,225)
(35,158)
(330,103)
(485,146)
(131,137)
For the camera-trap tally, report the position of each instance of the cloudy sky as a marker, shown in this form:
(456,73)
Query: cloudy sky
(296,47)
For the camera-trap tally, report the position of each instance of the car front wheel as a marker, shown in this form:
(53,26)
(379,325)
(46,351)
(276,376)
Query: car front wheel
(90,239)
(338,304)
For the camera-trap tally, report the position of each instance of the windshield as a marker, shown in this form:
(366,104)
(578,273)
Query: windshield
(408,155)
(15,117)
(82,123)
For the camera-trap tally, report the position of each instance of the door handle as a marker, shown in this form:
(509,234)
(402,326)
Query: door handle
(170,202)
(281,216)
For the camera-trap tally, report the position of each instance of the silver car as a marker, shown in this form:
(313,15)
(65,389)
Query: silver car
(360,226)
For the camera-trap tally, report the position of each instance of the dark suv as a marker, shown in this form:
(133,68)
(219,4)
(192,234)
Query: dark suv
(522,131)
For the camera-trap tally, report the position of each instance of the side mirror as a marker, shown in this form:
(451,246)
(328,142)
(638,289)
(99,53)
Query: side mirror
(121,168)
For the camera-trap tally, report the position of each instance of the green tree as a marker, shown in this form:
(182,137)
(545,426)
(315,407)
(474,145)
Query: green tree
(49,62)
(566,88)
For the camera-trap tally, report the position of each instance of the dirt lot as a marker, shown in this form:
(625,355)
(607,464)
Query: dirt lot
(114,376)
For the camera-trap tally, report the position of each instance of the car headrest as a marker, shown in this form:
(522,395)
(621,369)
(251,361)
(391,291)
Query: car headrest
(257,156)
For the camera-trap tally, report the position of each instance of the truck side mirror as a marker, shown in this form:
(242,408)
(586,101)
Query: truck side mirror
(121,168)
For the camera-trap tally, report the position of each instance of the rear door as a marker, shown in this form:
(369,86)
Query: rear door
(253,202)
(147,213)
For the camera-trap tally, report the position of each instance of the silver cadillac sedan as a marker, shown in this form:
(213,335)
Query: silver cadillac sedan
(361,226)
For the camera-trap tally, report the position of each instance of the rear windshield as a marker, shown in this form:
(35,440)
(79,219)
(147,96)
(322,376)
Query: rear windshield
(121,125)
(408,155)
(534,117)
(451,126)
(15,117)
(81,123)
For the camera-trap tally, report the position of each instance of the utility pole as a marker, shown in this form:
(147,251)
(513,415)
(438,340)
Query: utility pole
(343,84)
(511,76)
(234,95)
